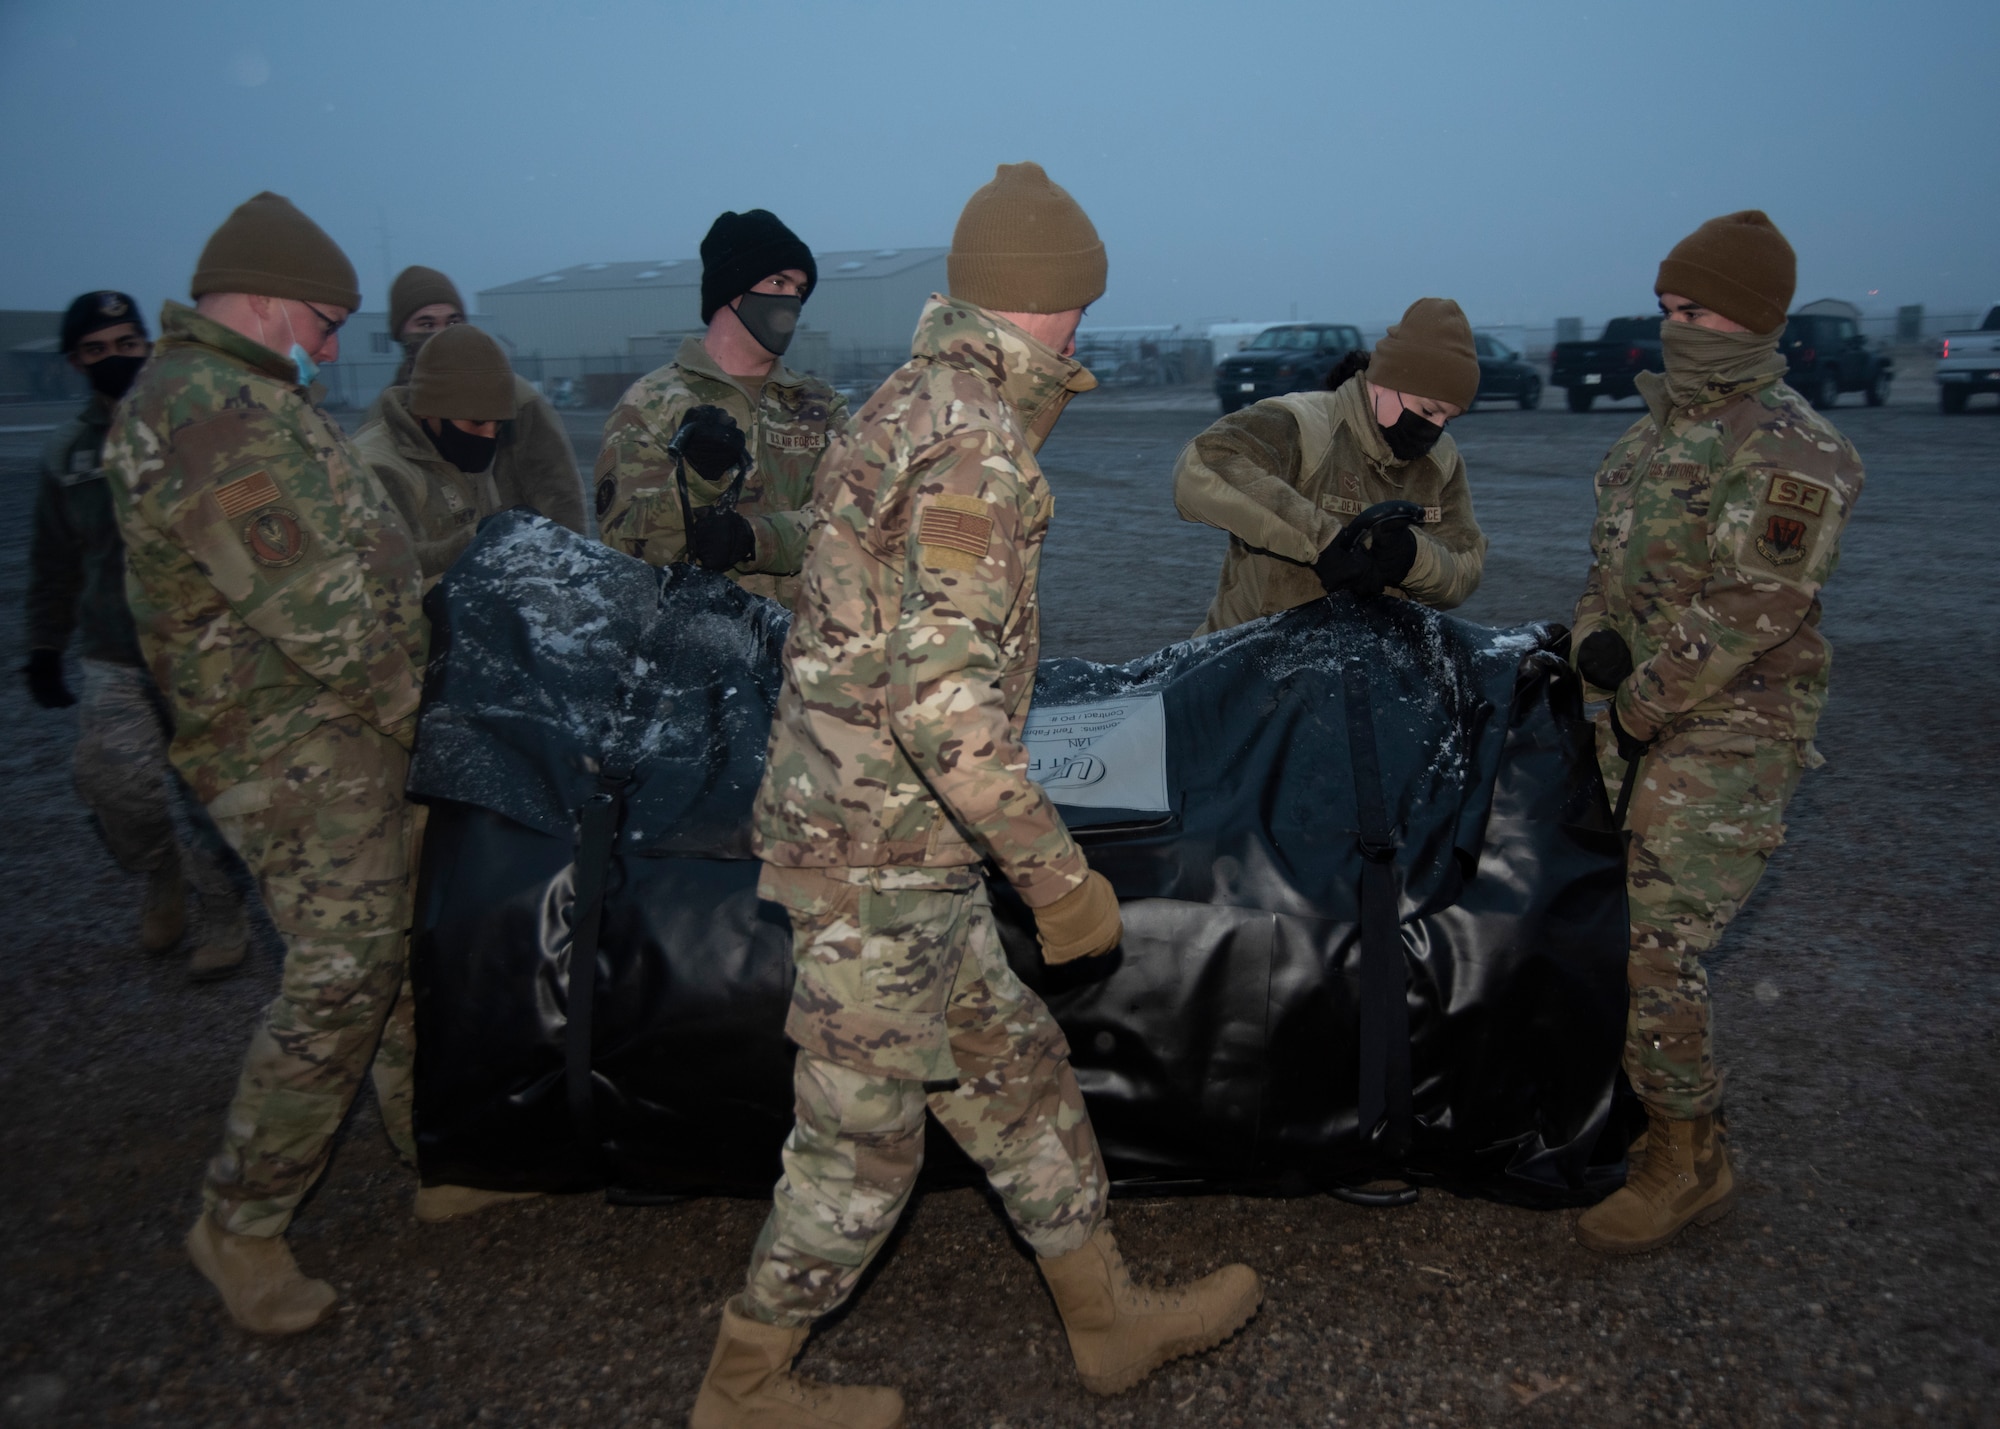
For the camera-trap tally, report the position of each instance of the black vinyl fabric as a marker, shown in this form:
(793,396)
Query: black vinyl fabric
(1221,1047)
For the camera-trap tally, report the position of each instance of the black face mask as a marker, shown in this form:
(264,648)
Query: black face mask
(461,448)
(111,377)
(1411,436)
(771,318)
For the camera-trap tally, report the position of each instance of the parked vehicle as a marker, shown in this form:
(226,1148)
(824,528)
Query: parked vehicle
(1969,362)
(1607,367)
(1826,356)
(1293,357)
(1504,373)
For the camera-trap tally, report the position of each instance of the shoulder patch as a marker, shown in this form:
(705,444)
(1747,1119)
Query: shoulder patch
(955,531)
(275,537)
(1783,541)
(1802,495)
(607,492)
(246,494)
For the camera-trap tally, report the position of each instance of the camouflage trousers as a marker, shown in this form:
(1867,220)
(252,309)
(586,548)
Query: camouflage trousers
(1705,817)
(327,833)
(904,1004)
(122,773)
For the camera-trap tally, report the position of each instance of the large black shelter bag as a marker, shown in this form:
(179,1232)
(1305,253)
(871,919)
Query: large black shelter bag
(1374,904)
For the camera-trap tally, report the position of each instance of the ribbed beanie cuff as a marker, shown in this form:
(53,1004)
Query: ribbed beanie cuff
(1023,245)
(462,373)
(268,248)
(1738,265)
(1429,354)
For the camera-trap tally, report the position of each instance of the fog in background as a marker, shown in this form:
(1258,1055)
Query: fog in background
(1242,161)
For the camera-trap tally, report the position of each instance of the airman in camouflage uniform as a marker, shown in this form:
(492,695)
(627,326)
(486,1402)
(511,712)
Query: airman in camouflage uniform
(275,596)
(896,767)
(76,585)
(750,262)
(1719,520)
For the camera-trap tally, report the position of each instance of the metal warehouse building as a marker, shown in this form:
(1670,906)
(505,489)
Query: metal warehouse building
(859,317)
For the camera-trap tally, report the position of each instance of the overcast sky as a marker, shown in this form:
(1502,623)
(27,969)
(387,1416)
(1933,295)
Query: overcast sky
(1241,160)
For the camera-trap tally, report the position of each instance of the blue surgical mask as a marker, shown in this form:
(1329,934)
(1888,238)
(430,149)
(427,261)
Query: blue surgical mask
(308,369)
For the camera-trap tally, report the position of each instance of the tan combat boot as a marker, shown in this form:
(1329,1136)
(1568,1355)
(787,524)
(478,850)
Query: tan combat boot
(260,1282)
(163,916)
(448,1203)
(1120,1333)
(1683,1178)
(749,1385)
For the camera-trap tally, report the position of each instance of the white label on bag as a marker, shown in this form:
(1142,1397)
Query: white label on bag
(1109,755)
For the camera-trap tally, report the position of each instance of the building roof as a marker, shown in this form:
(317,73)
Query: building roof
(686,272)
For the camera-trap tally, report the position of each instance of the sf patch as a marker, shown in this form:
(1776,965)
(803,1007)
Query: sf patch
(275,537)
(607,492)
(1800,495)
(1783,542)
(955,531)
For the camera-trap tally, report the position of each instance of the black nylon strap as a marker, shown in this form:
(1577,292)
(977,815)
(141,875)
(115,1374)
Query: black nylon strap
(1384,1089)
(598,832)
(1625,791)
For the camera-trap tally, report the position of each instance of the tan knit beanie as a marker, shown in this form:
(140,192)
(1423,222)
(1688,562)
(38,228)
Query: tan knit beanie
(418,287)
(1023,245)
(462,373)
(1429,354)
(267,247)
(1738,265)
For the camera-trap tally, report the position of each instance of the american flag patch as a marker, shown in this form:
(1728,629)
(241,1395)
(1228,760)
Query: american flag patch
(955,530)
(246,495)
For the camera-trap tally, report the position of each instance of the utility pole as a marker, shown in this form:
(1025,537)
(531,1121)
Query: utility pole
(388,268)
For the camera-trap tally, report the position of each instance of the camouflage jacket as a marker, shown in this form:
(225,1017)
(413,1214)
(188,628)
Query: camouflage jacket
(534,464)
(442,506)
(76,560)
(638,500)
(1717,524)
(273,587)
(911,659)
(1282,477)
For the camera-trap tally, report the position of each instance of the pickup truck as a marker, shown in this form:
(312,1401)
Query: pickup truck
(1969,363)
(1605,368)
(1290,357)
(1826,355)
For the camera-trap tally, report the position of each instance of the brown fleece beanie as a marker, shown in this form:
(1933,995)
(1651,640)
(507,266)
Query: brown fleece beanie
(418,287)
(1023,245)
(1429,354)
(462,373)
(267,247)
(1738,265)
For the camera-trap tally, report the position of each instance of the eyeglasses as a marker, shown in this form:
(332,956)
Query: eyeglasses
(328,323)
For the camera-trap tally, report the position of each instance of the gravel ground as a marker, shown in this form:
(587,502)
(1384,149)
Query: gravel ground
(1856,1283)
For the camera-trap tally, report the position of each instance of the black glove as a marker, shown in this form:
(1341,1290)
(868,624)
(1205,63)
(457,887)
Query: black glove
(1344,568)
(45,680)
(709,440)
(1393,549)
(1604,659)
(1630,746)
(721,540)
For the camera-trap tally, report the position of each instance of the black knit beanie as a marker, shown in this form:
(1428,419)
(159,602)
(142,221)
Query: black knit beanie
(94,312)
(742,250)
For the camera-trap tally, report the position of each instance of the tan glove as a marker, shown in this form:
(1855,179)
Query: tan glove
(1082,923)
